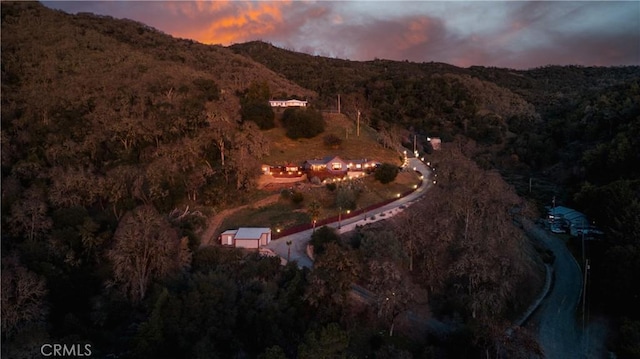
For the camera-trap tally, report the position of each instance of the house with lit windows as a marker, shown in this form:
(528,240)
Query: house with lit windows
(336,165)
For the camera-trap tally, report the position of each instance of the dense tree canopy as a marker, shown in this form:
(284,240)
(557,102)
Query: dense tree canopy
(255,106)
(386,173)
(302,123)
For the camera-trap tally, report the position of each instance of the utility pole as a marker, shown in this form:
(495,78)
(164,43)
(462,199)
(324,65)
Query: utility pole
(553,214)
(339,103)
(414,144)
(358,124)
(583,259)
(584,290)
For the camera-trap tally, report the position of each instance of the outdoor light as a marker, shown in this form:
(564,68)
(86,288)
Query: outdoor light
(414,168)
(428,163)
(421,177)
(434,181)
(348,211)
(415,186)
(422,159)
(278,230)
(398,195)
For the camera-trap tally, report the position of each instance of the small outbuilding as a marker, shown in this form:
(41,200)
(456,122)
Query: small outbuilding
(288,103)
(246,237)
(567,219)
(436,143)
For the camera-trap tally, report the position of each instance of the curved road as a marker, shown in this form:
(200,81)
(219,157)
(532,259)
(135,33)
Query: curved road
(299,240)
(559,333)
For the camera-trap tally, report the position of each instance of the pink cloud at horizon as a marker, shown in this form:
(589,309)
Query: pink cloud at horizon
(502,34)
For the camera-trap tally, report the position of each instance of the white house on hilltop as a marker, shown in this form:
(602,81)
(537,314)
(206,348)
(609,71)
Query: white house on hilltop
(288,103)
(246,237)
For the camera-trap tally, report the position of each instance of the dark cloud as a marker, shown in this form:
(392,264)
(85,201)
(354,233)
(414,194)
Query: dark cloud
(504,34)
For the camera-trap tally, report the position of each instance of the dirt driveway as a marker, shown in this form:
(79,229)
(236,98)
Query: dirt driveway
(214,223)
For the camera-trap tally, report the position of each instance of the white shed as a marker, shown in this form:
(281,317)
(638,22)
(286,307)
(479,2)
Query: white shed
(246,237)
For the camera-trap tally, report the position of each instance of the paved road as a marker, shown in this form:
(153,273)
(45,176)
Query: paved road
(299,240)
(559,333)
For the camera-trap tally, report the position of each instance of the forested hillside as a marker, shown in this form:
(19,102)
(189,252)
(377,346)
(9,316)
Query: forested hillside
(119,142)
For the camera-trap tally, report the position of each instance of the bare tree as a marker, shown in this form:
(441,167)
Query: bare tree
(249,145)
(29,215)
(145,248)
(395,291)
(23,296)
(221,129)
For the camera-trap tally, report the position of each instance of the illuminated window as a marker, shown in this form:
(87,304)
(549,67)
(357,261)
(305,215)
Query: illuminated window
(336,166)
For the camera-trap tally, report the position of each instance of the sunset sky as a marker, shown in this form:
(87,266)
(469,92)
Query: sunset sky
(515,34)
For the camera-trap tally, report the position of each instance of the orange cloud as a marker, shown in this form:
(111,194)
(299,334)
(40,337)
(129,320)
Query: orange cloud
(416,33)
(227,22)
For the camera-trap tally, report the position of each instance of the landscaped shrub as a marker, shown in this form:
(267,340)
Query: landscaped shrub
(297,197)
(331,186)
(302,123)
(386,173)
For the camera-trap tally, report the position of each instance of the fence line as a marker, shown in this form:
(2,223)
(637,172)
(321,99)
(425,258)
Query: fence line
(322,222)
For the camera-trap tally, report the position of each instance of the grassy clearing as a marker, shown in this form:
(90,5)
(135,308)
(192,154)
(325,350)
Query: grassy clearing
(278,215)
(376,192)
(284,214)
(284,149)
